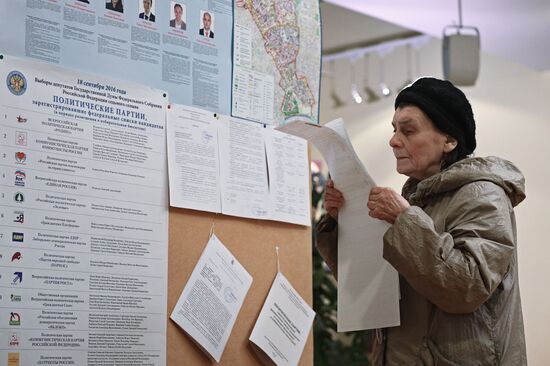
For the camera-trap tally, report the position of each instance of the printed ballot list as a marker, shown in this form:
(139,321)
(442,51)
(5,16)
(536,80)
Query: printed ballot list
(83,218)
(211,300)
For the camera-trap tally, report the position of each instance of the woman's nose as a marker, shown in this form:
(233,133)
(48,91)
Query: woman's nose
(394,141)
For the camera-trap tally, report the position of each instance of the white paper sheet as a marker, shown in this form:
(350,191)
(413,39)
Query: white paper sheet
(289,178)
(368,286)
(212,298)
(283,325)
(84,216)
(193,159)
(243,169)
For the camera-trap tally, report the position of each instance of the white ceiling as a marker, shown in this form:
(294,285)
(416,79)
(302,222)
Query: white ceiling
(517,30)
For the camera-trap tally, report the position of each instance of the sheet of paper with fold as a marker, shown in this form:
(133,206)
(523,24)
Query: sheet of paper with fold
(212,298)
(368,286)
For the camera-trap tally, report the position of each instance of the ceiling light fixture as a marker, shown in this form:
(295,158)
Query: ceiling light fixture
(409,79)
(461,52)
(357,98)
(384,89)
(370,94)
(337,102)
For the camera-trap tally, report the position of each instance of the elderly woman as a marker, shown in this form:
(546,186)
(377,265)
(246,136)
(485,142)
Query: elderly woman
(452,239)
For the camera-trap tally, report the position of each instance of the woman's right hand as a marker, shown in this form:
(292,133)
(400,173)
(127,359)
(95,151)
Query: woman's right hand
(334,200)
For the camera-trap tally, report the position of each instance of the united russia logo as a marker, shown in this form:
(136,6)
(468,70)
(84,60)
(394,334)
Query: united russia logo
(20,177)
(17,84)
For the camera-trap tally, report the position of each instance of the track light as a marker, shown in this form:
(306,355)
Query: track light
(337,102)
(384,89)
(361,91)
(370,94)
(357,98)
(409,79)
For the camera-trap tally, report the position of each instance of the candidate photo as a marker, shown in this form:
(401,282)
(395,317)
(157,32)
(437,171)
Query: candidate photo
(147,11)
(115,5)
(178,16)
(207,25)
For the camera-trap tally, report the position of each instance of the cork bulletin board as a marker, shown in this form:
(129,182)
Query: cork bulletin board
(253,243)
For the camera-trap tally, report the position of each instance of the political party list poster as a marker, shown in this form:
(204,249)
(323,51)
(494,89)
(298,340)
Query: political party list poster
(83,218)
(183,47)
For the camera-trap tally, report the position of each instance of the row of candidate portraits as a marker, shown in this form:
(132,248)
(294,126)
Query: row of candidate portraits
(177,12)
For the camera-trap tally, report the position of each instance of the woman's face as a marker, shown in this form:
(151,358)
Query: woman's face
(417,144)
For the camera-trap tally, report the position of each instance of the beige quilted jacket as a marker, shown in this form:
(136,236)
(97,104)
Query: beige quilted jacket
(455,251)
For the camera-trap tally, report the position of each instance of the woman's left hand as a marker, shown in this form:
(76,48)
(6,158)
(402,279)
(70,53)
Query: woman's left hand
(386,204)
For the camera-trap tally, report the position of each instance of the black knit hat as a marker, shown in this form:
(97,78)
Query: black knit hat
(447,107)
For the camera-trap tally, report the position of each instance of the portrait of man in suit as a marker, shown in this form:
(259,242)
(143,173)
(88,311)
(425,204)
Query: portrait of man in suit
(178,21)
(206,29)
(147,11)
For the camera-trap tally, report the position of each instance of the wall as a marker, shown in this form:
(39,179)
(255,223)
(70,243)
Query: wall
(512,110)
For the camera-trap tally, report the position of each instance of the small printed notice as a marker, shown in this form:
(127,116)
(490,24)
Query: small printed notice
(289,178)
(243,169)
(193,158)
(283,325)
(211,300)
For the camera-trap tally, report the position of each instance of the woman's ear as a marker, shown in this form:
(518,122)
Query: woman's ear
(450,144)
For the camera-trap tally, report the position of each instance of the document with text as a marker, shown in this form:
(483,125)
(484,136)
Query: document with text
(212,298)
(83,217)
(289,179)
(243,169)
(227,165)
(193,159)
(368,286)
(169,51)
(280,333)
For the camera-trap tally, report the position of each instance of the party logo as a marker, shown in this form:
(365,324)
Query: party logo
(20,157)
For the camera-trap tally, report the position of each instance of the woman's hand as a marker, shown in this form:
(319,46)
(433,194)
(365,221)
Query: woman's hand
(386,204)
(334,200)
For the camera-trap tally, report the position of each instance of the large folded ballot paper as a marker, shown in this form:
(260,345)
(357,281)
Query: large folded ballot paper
(368,286)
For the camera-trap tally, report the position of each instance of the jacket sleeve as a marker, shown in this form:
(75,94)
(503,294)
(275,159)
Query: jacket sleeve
(326,242)
(457,269)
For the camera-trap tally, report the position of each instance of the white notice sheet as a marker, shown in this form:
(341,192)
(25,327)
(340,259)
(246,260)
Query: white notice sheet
(289,179)
(193,158)
(283,325)
(243,169)
(368,286)
(84,217)
(212,298)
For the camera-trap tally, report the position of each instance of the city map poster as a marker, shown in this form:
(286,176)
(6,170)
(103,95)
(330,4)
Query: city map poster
(276,60)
